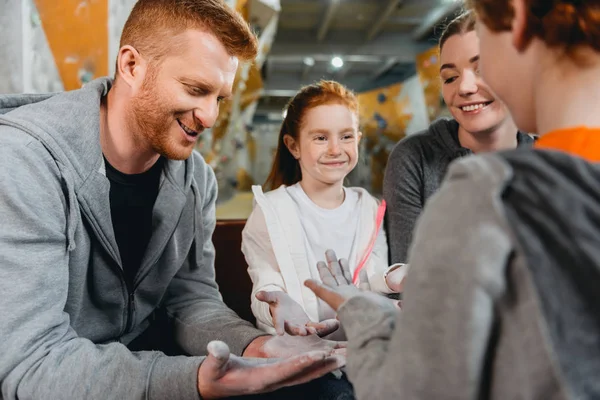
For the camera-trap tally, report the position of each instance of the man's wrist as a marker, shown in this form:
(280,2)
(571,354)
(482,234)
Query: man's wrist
(255,348)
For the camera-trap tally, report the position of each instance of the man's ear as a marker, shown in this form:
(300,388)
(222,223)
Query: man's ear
(359,136)
(520,35)
(292,146)
(131,67)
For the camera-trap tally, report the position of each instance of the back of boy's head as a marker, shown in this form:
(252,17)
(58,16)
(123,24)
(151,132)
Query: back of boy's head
(152,25)
(565,24)
(286,169)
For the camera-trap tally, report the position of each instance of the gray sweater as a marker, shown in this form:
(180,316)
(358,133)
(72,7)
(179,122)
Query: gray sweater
(502,298)
(415,169)
(67,314)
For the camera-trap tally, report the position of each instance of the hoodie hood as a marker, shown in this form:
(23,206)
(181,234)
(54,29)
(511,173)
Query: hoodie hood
(43,117)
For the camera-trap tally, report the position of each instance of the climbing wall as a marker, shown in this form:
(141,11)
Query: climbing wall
(231,146)
(27,61)
(428,70)
(77,32)
(387,115)
(118,11)
(50,45)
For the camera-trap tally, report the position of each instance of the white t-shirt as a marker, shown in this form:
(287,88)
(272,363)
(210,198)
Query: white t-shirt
(326,229)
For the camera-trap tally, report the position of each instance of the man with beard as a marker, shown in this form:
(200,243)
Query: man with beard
(107,218)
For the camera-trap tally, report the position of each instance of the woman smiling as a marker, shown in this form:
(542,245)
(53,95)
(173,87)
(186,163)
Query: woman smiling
(481,123)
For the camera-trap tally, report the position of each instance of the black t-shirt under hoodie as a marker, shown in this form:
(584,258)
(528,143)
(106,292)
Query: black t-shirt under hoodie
(132,198)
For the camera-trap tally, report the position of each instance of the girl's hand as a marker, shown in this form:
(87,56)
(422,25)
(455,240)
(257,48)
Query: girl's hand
(337,284)
(289,317)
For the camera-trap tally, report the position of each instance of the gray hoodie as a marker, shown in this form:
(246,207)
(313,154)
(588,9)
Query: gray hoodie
(415,169)
(502,298)
(67,314)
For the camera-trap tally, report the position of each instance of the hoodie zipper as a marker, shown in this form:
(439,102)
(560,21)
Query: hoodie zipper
(130,294)
(130,307)
(129,290)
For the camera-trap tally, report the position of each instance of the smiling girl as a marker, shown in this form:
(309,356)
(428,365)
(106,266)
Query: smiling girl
(310,211)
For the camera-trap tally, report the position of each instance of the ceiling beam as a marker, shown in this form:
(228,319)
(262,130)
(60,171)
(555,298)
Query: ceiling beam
(382,18)
(405,20)
(329,13)
(296,58)
(341,73)
(435,17)
(387,65)
(306,70)
(353,77)
(278,93)
(268,68)
(302,44)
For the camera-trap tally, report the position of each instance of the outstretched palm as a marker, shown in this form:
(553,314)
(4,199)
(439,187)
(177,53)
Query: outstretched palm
(224,375)
(336,286)
(289,317)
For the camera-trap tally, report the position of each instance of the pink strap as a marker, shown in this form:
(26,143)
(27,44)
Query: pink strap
(378,222)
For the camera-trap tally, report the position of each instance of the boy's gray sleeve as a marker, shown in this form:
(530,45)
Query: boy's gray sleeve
(435,347)
(41,356)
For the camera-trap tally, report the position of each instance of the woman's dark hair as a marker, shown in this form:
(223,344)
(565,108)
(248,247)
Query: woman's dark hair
(464,23)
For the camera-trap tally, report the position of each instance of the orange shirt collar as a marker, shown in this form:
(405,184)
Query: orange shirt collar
(580,141)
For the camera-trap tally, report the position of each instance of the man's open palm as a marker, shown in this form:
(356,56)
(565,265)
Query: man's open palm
(224,375)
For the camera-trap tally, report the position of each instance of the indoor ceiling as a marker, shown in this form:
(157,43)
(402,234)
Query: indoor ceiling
(376,39)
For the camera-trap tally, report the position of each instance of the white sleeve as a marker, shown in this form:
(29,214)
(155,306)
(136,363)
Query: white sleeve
(377,264)
(262,264)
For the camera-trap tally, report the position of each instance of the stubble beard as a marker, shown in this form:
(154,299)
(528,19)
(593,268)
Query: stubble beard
(150,122)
